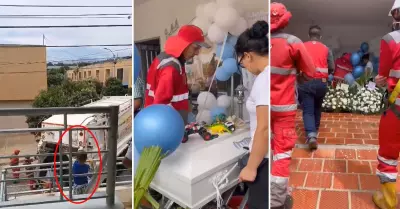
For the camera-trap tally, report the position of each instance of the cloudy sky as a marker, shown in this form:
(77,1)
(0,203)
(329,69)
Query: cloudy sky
(68,36)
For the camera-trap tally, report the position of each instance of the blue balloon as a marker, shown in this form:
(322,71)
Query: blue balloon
(158,125)
(217,111)
(348,78)
(364,47)
(222,75)
(355,59)
(229,51)
(330,77)
(231,40)
(360,53)
(358,71)
(137,65)
(230,65)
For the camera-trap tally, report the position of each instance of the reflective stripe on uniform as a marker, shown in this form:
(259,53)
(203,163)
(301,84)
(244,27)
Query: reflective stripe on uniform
(283,155)
(283,71)
(321,70)
(175,98)
(344,68)
(168,60)
(394,73)
(279,179)
(339,78)
(387,161)
(391,176)
(283,108)
(291,39)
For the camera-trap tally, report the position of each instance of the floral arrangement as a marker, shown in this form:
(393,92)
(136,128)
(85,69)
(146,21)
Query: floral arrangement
(355,99)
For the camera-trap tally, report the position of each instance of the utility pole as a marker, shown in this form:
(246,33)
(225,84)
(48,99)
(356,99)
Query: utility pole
(43,39)
(114,61)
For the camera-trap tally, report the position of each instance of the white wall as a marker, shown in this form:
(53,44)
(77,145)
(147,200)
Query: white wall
(349,37)
(154,16)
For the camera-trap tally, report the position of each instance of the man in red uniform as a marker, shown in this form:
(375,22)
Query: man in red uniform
(166,79)
(14,161)
(389,131)
(287,54)
(342,67)
(312,93)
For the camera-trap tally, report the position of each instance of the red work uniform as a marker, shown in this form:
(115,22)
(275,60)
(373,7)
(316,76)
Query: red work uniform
(287,54)
(14,161)
(389,127)
(166,79)
(29,173)
(319,54)
(342,67)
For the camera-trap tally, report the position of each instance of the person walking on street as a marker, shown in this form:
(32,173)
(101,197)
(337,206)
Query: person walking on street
(312,93)
(287,54)
(389,132)
(14,161)
(29,173)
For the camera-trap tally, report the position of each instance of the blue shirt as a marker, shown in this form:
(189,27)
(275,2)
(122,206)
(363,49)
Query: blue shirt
(79,168)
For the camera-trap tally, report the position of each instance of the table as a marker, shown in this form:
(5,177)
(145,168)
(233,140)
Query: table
(185,176)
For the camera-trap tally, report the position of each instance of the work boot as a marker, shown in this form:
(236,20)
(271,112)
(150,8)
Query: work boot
(387,198)
(312,144)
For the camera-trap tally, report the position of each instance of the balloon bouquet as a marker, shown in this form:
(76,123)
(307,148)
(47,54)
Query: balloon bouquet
(158,132)
(358,65)
(223,22)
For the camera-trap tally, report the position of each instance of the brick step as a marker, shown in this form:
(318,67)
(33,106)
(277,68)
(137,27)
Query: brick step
(334,177)
(329,199)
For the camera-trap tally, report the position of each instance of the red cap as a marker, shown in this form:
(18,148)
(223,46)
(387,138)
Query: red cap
(187,34)
(279,16)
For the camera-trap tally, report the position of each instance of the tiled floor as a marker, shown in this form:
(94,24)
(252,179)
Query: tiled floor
(341,173)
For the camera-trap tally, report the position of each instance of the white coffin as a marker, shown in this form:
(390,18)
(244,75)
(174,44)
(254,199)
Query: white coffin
(185,176)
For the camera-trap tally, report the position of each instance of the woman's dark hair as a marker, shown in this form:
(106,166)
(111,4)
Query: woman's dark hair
(254,39)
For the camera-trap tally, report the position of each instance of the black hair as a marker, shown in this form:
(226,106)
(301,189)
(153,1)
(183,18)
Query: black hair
(254,39)
(365,56)
(81,157)
(314,31)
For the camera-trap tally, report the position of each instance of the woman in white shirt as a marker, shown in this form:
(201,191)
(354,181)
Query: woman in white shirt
(252,49)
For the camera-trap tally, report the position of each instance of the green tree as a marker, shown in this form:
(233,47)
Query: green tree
(57,76)
(68,94)
(114,87)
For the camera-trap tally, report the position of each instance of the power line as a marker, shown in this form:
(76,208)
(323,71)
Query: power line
(83,17)
(75,15)
(65,6)
(65,26)
(66,46)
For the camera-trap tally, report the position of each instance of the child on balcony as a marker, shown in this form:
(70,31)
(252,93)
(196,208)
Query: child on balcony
(80,167)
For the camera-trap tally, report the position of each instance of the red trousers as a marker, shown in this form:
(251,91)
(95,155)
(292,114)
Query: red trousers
(283,141)
(15,173)
(389,146)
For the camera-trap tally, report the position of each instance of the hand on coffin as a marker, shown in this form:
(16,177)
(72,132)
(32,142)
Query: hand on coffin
(248,174)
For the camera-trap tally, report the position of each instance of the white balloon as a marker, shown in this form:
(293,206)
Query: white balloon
(216,34)
(200,10)
(239,28)
(224,101)
(226,3)
(210,9)
(202,23)
(204,116)
(206,100)
(226,18)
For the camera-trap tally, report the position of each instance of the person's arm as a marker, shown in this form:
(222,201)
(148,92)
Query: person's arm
(303,60)
(165,87)
(331,63)
(261,136)
(138,103)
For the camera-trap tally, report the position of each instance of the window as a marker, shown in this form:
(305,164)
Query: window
(80,75)
(107,73)
(84,74)
(89,74)
(98,74)
(120,74)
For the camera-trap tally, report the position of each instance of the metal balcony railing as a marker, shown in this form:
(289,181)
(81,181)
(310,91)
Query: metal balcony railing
(109,159)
